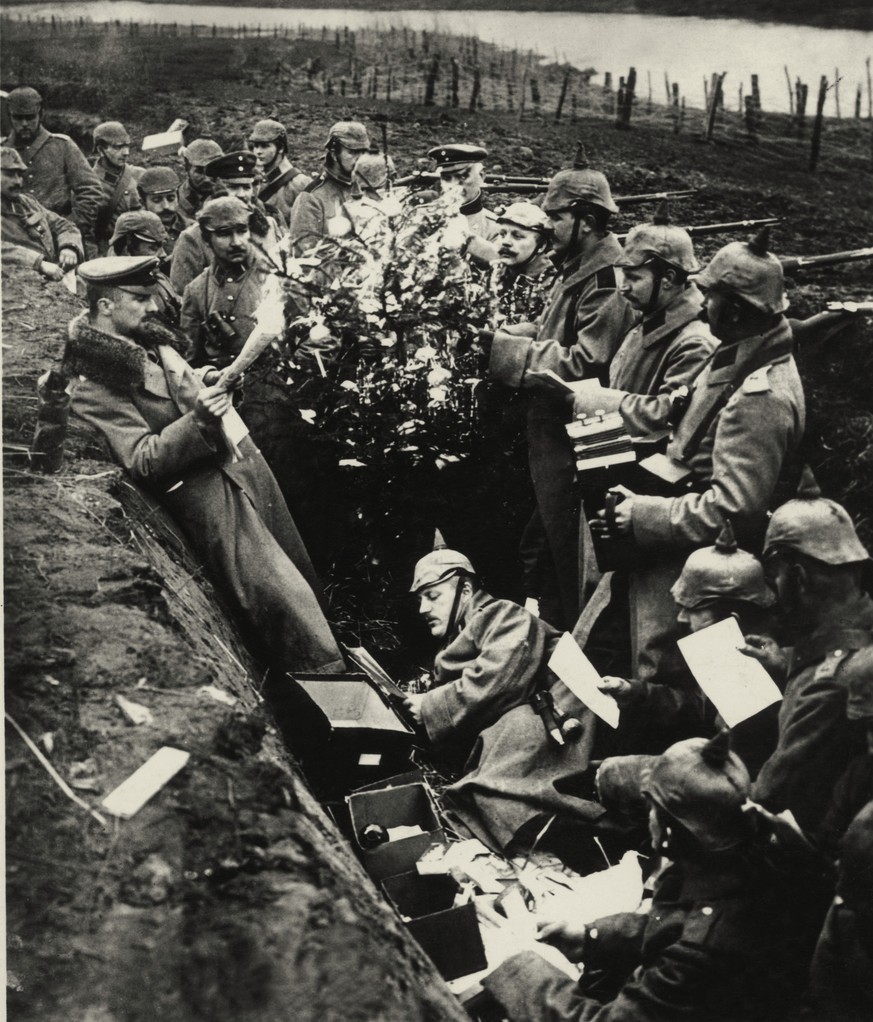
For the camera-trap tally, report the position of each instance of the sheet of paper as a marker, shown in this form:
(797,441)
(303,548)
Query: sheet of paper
(131,795)
(161,140)
(737,685)
(573,386)
(234,427)
(579,675)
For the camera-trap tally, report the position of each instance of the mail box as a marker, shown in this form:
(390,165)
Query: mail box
(449,935)
(404,806)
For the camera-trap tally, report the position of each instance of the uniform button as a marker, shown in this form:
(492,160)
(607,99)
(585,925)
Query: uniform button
(706,910)
(592,933)
(231,318)
(837,652)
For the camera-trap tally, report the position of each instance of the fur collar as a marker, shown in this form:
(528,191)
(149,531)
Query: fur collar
(112,361)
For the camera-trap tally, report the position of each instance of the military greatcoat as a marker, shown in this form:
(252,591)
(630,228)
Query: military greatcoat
(322,200)
(283,196)
(33,234)
(231,511)
(577,335)
(59,176)
(725,941)
(816,739)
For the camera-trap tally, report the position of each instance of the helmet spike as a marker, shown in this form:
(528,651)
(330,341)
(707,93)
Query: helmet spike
(580,160)
(716,751)
(439,542)
(726,543)
(808,489)
(760,243)
(662,214)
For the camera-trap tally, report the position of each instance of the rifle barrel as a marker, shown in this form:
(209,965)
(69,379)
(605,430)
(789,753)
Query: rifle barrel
(634,200)
(697,230)
(827,259)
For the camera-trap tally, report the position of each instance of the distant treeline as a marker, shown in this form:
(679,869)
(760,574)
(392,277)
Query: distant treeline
(841,14)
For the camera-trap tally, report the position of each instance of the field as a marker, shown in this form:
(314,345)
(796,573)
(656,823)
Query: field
(126,923)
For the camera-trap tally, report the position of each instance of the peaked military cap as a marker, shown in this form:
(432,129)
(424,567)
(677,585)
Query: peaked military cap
(233,166)
(141,224)
(10,159)
(135,274)
(158,181)
(201,151)
(113,132)
(226,211)
(457,155)
(24,100)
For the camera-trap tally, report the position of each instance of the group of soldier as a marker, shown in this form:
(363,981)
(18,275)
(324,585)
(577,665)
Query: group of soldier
(696,365)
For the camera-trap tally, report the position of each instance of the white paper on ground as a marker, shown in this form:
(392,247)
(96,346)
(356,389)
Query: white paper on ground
(580,676)
(404,831)
(131,795)
(737,685)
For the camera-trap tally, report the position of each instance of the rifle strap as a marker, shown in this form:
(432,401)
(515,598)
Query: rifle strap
(270,189)
(757,360)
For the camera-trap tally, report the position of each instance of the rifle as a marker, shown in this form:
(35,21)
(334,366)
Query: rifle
(865,308)
(792,263)
(698,230)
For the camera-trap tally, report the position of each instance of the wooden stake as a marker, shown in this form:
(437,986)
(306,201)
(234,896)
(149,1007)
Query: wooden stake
(837,90)
(819,118)
(790,91)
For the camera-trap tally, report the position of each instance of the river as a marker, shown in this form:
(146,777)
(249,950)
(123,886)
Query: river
(688,49)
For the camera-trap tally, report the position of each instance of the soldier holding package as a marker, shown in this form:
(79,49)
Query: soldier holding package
(33,236)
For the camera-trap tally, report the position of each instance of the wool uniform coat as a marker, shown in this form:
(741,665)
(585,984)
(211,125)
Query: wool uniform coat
(119,196)
(484,680)
(660,354)
(816,739)
(33,234)
(576,337)
(841,978)
(235,295)
(728,941)
(734,471)
(192,254)
(231,512)
(322,200)
(60,177)
(282,199)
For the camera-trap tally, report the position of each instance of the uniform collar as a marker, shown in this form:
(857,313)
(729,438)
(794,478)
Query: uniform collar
(728,356)
(42,136)
(851,629)
(473,206)
(606,252)
(682,310)
(225,274)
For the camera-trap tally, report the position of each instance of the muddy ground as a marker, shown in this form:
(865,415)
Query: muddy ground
(230,896)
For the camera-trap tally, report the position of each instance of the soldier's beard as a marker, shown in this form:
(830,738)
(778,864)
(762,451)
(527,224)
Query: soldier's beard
(155,330)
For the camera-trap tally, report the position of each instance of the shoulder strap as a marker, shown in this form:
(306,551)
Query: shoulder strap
(270,189)
(756,361)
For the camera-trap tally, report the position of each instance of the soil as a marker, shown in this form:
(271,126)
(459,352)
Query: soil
(231,896)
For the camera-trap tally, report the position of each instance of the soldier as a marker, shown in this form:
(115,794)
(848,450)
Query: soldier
(735,882)
(281,182)
(815,562)
(524,272)
(744,419)
(219,305)
(197,186)
(140,233)
(57,175)
(117,177)
(324,199)
(462,171)
(232,174)
(366,207)
(163,424)
(157,189)
(492,662)
(33,236)
(575,337)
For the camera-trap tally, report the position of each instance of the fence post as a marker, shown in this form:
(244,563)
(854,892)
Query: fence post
(455,79)
(432,75)
(477,88)
(523,97)
(858,104)
(819,117)
(802,93)
(563,95)
(715,95)
(790,91)
(667,87)
(756,92)
(837,90)
(649,97)
(675,88)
